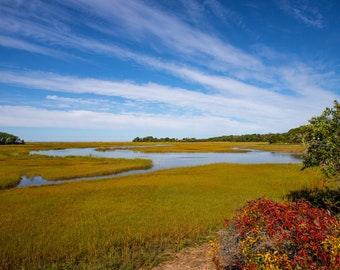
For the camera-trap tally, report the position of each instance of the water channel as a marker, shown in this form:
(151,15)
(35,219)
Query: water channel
(162,160)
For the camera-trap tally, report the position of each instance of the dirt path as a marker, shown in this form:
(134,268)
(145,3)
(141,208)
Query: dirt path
(195,258)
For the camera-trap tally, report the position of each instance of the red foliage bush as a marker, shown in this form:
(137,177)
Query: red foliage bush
(265,234)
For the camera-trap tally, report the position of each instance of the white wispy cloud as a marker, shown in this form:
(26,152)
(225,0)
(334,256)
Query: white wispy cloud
(136,21)
(270,110)
(144,124)
(202,48)
(225,15)
(304,11)
(19,44)
(150,92)
(89,103)
(143,21)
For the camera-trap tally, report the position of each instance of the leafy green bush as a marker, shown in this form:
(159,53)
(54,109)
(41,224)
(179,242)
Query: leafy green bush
(322,136)
(265,234)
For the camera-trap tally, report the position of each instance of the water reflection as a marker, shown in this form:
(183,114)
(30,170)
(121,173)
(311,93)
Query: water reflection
(163,160)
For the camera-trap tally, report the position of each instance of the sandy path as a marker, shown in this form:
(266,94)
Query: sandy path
(195,258)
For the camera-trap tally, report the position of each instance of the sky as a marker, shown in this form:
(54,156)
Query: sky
(113,70)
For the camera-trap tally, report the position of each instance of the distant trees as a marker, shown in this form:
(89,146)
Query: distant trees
(6,138)
(240,138)
(154,139)
(322,136)
(295,135)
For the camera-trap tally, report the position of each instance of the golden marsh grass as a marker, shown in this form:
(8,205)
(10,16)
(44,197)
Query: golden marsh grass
(16,162)
(132,221)
(210,147)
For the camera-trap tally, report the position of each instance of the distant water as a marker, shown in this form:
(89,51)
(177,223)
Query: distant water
(162,160)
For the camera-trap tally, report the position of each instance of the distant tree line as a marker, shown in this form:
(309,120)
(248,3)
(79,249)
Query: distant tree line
(6,138)
(154,139)
(295,135)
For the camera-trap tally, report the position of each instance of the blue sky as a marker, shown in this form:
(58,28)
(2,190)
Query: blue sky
(112,70)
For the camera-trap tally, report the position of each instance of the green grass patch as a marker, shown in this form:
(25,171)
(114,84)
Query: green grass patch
(132,221)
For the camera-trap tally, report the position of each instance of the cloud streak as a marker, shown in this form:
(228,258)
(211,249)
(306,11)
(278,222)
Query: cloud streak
(146,124)
(303,11)
(139,23)
(150,92)
(252,108)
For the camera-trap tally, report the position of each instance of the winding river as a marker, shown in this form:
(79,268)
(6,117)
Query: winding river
(162,160)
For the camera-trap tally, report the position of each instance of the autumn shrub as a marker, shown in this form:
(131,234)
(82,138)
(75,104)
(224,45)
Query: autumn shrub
(264,234)
(326,198)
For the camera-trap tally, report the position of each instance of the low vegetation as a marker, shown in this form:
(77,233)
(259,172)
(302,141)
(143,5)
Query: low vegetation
(186,147)
(131,221)
(226,147)
(264,234)
(16,162)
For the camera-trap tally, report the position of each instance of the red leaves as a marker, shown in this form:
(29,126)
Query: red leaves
(297,231)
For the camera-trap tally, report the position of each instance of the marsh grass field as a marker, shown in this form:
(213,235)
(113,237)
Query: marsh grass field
(16,162)
(126,222)
(213,147)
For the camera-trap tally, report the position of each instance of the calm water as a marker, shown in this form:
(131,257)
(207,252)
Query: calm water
(163,160)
